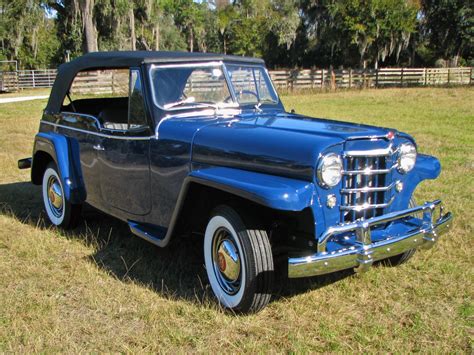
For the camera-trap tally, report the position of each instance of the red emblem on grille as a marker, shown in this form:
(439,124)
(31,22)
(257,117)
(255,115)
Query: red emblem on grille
(391,135)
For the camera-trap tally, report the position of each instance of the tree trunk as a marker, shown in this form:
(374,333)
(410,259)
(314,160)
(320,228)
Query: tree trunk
(191,40)
(89,43)
(157,37)
(133,37)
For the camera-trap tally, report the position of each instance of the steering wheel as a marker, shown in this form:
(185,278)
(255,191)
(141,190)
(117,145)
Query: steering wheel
(247,92)
(240,93)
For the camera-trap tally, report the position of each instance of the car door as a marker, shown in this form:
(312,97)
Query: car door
(124,156)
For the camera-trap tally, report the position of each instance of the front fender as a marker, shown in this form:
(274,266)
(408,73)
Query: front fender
(275,192)
(426,168)
(65,153)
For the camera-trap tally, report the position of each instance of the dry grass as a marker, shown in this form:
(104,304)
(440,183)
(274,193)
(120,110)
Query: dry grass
(99,288)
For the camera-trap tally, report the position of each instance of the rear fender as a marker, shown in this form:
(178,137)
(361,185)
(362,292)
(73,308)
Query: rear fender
(65,153)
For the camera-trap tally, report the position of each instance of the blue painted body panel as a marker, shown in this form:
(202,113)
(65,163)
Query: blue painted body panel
(65,152)
(276,192)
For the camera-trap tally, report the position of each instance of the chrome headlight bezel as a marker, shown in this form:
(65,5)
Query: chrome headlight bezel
(329,161)
(407,155)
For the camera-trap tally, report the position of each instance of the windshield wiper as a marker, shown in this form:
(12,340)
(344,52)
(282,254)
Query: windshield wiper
(188,100)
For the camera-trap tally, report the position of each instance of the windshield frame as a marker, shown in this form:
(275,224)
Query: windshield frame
(230,87)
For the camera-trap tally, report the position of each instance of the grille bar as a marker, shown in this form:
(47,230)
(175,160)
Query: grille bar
(368,188)
(366,206)
(366,185)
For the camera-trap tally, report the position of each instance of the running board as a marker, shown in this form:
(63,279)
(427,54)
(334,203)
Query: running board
(152,234)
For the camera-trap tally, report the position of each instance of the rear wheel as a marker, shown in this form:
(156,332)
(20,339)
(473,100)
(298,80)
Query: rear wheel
(60,211)
(404,257)
(239,262)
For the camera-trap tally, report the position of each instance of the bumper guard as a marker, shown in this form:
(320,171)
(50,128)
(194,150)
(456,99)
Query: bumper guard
(364,252)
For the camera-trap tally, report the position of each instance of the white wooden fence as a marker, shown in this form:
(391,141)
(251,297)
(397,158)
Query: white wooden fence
(286,80)
(356,78)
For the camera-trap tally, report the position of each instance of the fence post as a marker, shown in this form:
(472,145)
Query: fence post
(288,80)
(333,79)
(401,78)
(350,78)
(377,78)
(470,77)
(449,76)
(425,71)
(322,78)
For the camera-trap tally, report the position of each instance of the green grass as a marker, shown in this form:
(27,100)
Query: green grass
(99,288)
(26,92)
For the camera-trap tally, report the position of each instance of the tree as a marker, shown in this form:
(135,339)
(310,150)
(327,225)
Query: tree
(379,28)
(449,27)
(89,43)
(25,33)
(284,21)
(225,16)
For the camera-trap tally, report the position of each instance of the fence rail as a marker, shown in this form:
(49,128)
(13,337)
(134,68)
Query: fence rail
(290,80)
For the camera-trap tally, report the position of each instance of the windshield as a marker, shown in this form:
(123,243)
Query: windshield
(251,84)
(181,87)
(185,87)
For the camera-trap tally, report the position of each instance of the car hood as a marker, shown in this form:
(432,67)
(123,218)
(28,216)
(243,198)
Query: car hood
(276,143)
(316,126)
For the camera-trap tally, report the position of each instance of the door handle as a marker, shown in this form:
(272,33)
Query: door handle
(98,147)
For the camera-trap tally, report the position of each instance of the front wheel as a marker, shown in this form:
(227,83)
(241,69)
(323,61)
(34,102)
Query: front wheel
(239,262)
(60,211)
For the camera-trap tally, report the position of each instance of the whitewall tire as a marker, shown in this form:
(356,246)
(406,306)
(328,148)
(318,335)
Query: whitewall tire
(239,262)
(60,212)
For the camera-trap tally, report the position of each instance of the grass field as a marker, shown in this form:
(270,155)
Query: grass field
(99,288)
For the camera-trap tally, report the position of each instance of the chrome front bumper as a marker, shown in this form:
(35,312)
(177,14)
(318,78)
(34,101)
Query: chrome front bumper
(364,251)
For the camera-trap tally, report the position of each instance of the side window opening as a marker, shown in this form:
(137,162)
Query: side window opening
(113,96)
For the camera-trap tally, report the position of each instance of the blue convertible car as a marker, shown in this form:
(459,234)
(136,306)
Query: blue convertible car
(202,143)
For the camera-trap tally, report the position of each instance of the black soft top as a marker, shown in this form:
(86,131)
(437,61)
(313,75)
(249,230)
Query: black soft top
(125,59)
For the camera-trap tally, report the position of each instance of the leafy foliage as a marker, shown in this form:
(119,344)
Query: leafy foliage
(286,33)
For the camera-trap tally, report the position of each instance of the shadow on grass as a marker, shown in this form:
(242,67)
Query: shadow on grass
(175,272)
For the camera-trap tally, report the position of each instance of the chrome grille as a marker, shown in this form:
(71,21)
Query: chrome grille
(366,185)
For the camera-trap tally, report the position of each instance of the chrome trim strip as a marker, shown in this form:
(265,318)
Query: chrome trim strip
(366,206)
(363,253)
(99,125)
(96,133)
(370,153)
(368,189)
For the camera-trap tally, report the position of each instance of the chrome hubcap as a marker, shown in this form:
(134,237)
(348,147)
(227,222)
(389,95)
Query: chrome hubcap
(55,196)
(225,255)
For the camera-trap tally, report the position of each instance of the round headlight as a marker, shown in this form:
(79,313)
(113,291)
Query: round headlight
(406,157)
(330,170)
